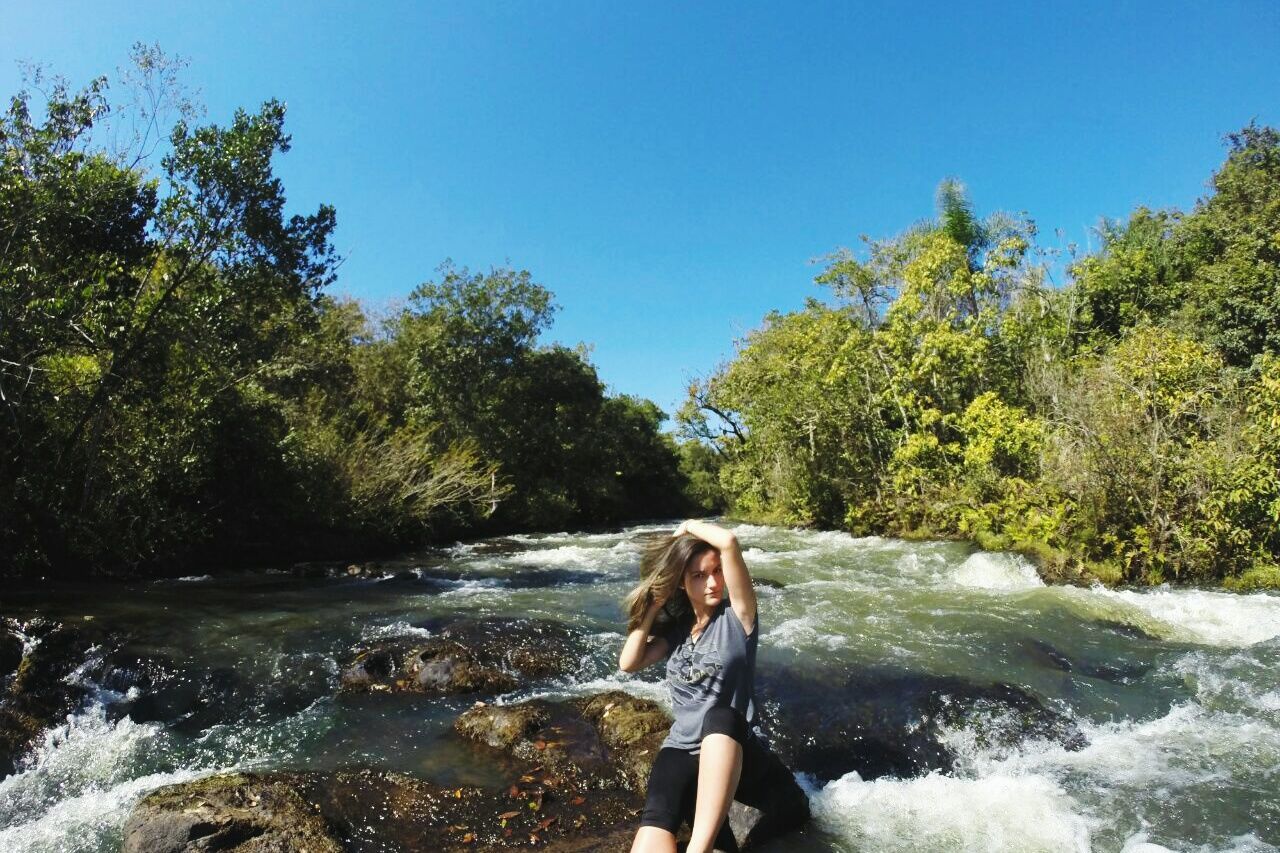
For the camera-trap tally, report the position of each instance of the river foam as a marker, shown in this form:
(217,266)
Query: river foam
(938,812)
(1212,618)
(75,790)
(997,571)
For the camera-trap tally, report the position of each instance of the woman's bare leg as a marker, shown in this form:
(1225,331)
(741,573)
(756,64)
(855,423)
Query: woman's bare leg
(719,765)
(652,839)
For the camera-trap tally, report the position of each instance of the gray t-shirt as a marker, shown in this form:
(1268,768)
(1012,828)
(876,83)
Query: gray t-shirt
(717,669)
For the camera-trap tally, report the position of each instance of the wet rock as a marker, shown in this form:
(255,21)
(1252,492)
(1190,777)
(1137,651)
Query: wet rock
(191,701)
(569,790)
(552,735)
(39,693)
(498,546)
(233,812)
(535,810)
(368,810)
(768,582)
(315,569)
(10,653)
(439,666)
(783,809)
(633,730)
(473,656)
(503,726)
(890,722)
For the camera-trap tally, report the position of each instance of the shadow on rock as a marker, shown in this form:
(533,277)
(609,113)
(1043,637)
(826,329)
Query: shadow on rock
(888,722)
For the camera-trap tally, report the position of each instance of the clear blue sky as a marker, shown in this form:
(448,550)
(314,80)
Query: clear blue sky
(670,170)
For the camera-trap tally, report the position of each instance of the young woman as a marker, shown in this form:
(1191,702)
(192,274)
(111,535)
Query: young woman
(696,608)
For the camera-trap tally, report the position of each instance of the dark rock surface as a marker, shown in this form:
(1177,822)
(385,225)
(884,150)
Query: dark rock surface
(605,740)
(578,770)
(10,652)
(189,702)
(471,656)
(889,722)
(39,693)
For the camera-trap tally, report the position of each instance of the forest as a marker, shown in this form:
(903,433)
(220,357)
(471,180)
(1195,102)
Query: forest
(179,390)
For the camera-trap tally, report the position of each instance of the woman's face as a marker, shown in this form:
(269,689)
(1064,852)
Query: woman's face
(703,582)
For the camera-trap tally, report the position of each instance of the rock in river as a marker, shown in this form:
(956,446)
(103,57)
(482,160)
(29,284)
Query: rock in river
(578,771)
(39,692)
(471,656)
(236,811)
(889,722)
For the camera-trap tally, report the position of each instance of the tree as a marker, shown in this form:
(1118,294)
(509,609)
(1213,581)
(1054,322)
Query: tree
(1231,253)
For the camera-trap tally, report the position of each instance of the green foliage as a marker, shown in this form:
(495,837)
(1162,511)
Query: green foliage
(1231,250)
(700,466)
(1126,431)
(1132,280)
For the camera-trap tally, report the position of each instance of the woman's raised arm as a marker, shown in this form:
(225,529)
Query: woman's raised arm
(737,579)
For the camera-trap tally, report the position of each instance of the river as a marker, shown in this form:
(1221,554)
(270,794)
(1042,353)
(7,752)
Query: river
(1175,691)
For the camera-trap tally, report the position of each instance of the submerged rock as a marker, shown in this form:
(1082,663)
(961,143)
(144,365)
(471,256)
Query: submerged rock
(189,702)
(472,656)
(1049,655)
(1125,629)
(632,729)
(610,738)
(890,722)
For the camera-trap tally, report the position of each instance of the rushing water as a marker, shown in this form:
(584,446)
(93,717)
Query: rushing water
(1175,690)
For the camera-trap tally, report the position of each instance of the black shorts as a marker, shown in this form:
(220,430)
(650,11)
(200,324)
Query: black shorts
(673,781)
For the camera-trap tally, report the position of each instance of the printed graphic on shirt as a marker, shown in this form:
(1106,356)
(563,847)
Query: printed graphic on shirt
(695,671)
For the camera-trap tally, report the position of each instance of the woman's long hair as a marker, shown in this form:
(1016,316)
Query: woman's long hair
(662,578)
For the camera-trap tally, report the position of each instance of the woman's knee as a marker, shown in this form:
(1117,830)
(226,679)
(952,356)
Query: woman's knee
(652,839)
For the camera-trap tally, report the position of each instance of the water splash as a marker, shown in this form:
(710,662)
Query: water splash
(999,572)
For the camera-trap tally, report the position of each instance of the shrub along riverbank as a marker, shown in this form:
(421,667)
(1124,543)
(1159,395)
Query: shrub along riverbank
(1124,426)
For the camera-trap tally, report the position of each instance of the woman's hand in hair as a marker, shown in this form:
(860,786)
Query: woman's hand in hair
(641,649)
(713,534)
(656,603)
(742,595)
